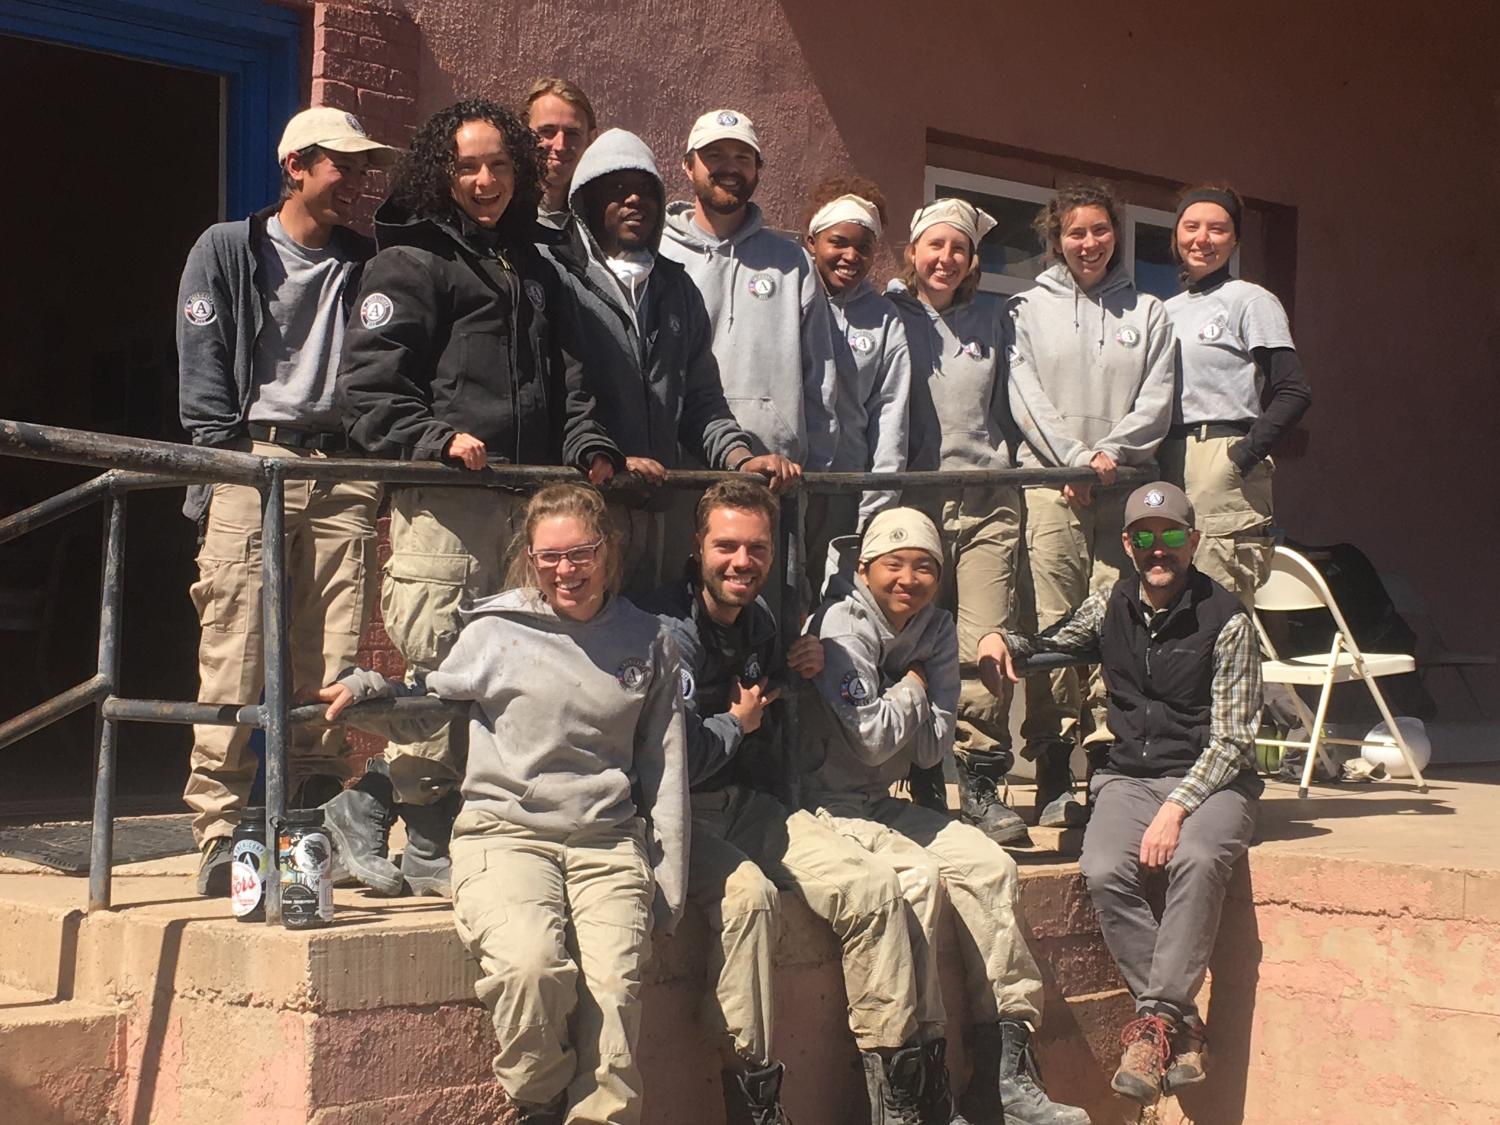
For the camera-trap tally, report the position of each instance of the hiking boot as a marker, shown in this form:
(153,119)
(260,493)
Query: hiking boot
(1146,1045)
(753,1097)
(1189,1063)
(979,804)
(894,1087)
(213,867)
(1056,805)
(359,819)
(429,830)
(928,788)
(549,1114)
(1019,1081)
(936,1105)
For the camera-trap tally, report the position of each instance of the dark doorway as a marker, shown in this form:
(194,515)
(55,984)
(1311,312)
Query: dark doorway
(115,170)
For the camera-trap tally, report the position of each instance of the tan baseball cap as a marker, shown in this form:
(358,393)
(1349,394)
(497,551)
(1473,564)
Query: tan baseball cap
(896,529)
(335,130)
(722,125)
(1159,499)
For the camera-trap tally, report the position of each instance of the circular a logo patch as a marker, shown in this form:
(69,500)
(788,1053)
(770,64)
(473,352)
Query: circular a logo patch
(631,673)
(688,685)
(674,324)
(199,310)
(973,349)
(1128,337)
(536,294)
(375,310)
(863,343)
(762,285)
(353,123)
(854,689)
(1210,332)
(898,535)
(753,671)
(1154,499)
(727,118)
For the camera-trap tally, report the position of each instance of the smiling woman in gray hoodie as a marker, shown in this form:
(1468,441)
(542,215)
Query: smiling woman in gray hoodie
(575,810)
(1092,375)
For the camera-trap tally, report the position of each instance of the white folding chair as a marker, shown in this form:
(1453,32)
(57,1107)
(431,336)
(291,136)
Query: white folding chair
(1295,584)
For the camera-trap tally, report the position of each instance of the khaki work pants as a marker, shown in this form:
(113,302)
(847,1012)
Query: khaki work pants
(330,567)
(1071,552)
(982,531)
(746,847)
(561,927)
(1233,510)
(939,859)
(449,546)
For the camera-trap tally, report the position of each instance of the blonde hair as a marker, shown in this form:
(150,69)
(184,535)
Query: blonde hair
(569,92)
(581,502)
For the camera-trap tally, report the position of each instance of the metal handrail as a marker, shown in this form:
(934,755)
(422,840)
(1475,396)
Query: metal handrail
(130,464)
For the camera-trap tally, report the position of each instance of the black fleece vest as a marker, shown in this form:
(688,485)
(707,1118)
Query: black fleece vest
(1160,685)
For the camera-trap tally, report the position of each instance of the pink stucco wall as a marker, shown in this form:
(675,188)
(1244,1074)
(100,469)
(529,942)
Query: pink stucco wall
(1379,126)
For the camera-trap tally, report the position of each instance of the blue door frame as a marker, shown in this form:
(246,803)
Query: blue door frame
(255,47)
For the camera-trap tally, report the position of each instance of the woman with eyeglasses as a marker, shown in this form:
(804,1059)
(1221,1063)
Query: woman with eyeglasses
(1091,383)
(1242,392)
(574,827)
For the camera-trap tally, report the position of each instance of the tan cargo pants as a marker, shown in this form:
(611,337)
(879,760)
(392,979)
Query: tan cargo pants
(1071,551)
(449,546)
(1234,511)
(982,531)
(561,927)
(746,847)
(330,560)
(939,859)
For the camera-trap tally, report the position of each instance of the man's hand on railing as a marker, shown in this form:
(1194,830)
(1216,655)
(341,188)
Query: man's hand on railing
(806,656)
(601,469)
(652,472)
(996,664)
(338,697)
(1104,466)
(468,451)
(781,475)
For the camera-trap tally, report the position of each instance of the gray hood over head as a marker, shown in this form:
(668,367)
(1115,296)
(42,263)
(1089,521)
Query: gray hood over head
(618,150)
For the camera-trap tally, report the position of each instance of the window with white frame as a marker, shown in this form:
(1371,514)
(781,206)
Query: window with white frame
(1011,255)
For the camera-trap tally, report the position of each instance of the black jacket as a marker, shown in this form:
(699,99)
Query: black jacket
(460,333)
(1161,682)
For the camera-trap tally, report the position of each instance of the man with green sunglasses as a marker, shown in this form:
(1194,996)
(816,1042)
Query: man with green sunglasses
(1176,790)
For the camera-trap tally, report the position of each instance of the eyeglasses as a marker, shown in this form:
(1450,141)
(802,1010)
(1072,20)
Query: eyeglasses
(1172,538)
(583,556)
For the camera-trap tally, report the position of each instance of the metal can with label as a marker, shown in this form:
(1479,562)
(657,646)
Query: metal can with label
(304,854)
(250,866)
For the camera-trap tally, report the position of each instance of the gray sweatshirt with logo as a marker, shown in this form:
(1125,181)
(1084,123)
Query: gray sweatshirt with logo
(569,719)
(866,722)
(874,366)
(772,335)
(1091,372)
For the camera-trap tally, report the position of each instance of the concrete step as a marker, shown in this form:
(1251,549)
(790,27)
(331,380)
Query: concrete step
(61,1061)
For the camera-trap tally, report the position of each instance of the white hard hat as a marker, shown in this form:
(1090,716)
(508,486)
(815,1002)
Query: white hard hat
(1385,752)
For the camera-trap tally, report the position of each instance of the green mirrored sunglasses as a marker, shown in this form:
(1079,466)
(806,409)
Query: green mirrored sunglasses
(1173,537)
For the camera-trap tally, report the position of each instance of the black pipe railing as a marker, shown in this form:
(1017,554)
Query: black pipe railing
(131,464)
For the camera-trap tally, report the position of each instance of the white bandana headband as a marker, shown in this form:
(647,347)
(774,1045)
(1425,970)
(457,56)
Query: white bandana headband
(958,213)
(845,209)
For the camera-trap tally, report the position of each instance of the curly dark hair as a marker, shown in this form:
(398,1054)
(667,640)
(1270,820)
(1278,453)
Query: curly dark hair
(1049,220)
(423,181)
(835,186)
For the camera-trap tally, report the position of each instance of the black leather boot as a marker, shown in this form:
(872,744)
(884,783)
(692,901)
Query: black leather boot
(895,1087)
(359,819)
(753,1097)
(429,831)
(979,800)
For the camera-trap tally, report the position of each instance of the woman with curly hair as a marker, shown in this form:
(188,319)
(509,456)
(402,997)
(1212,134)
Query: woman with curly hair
(1242,391)
(1091,385)
(574,829)
(459,354)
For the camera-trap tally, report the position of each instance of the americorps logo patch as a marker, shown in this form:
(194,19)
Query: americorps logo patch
(1128,337)
(727,118)
(536,294)
(854,689)
(753,670)
(1154,499)
(631,673)
(762,285)
(863,343)
(199,309)
(375,310)
(1211,331)
(689,685)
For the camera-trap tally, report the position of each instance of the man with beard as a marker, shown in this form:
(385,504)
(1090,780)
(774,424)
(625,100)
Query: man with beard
(561,115)
(648,344)
(1178,790)
(772,336)
(747,845)
(263,306)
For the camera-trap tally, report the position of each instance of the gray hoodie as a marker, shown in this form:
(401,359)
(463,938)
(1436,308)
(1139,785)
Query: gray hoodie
(867,722)
(960,418)
(1091,372)
(570,720)
(772,335)
(874,365)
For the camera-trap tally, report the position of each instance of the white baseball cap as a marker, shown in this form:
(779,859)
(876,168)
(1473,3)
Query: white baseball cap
(722,125)
(335,130)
